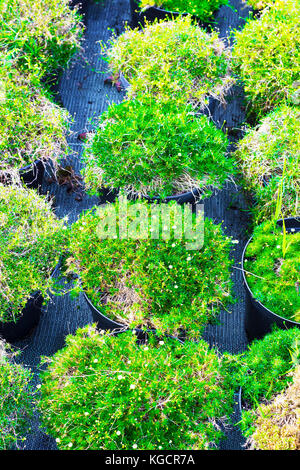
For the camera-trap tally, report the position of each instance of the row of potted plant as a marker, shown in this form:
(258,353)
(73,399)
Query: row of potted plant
(37,40)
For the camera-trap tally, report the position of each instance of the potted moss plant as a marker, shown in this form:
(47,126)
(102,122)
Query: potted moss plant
(160,9)
(270,264)
(265,370)
(16,399)
(266,57)
(39,37)
(154,277)
(33,128)
(186,61)
(113,387)
(276,424)
(157,150)
(31,240)
(269,158)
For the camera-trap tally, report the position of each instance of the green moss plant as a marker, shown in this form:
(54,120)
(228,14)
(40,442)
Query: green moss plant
(204,10)
(272,269)
(266,55)
(156,149)
(105,392)
(31,241)
(16,400)
(39,37)
(32,126)
(160,282)
(186,61)
(269,158)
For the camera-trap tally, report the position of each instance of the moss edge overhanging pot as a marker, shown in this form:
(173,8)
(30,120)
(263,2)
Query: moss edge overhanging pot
(258,318)
(192,197)
(15,331)
(32,175)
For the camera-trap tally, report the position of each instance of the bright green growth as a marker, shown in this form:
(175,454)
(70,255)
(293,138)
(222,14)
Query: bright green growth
(264,153)
(105,392)
(203,9)
(39,36)
(32,126)
(263,370)
(272,269)
(16,396)
(165,282)
(172,59)
(267,54)
(31,240)
(156,149)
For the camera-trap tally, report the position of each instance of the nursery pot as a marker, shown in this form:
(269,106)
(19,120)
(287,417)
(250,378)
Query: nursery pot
(259,319)
(32,175)
(103,322)
(31,313)
(108,195)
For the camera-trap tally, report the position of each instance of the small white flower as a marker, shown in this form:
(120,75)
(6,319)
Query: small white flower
(159,447)
(176,287)
(134,446)
(146,348)
(292,230)
(170,266)
(189,258)
(278,246)
(118,433)
(57,439)
(170,442)
(120,377)
(38,386)
(173,244)
(86,413)
(132,386)
(128,362)
(95,360)
(235,241)
(161,343)
(70,444)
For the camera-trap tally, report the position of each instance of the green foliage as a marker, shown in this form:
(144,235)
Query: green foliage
(272,265)
(263,371)
(156,148)
(203,9)
(263,153)
(31,241)
(161,283)
(37,36)
(260,4)
(266,56)
(16,397)
(105,392)
(32,126)
(185,61)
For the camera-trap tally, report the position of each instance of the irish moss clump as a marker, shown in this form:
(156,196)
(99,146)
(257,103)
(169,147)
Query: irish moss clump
(148,274)
(186,61)
(39,37)
(156,149)
(159,395)
(33,127)
(269,158)
(277,424)
(16,399)
(31,243)
(266,57)
(204,10)
(272,269)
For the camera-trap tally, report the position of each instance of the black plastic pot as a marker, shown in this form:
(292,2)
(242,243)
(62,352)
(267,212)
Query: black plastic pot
(103,322)
(12,331)
(152,13)
(259,319)
(32,175)
(191,197)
